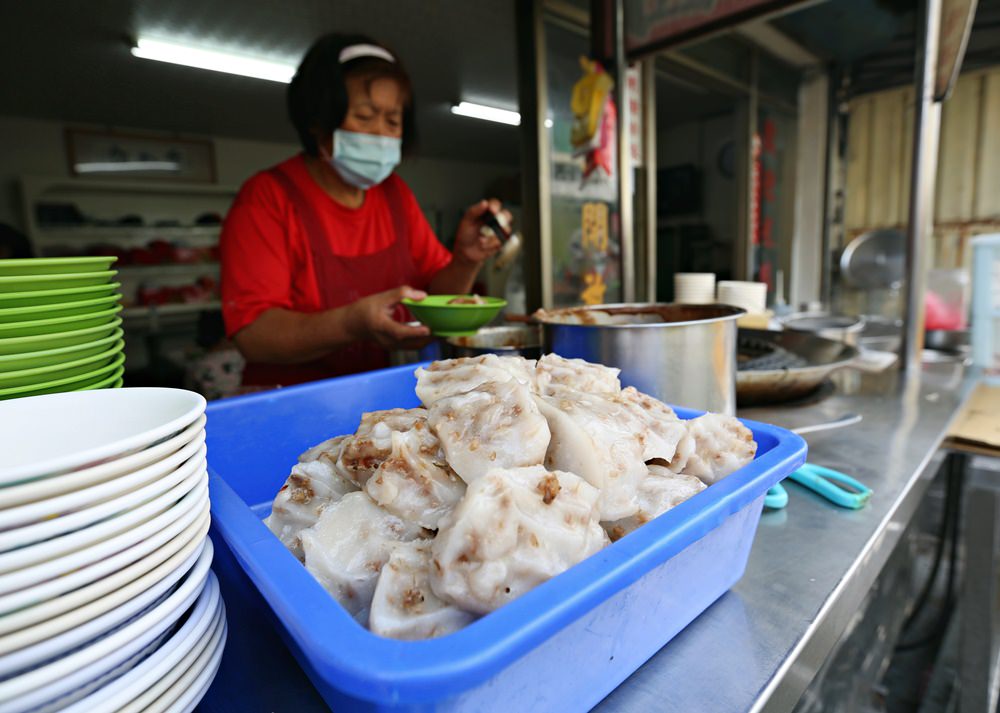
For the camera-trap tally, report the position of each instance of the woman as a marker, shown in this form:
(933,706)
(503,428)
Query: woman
(318,251)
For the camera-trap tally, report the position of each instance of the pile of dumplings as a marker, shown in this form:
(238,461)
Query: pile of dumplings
(513,471)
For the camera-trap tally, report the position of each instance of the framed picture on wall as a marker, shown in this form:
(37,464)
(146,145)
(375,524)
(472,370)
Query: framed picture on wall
(112,154)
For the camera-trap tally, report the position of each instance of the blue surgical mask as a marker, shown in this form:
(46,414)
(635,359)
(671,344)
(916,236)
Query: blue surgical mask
(364,160)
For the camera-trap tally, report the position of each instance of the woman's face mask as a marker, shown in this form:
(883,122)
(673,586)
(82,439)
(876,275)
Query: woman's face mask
(364,160)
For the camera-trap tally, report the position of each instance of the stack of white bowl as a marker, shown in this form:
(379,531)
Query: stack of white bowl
(694,288)
(751,296)
(107,602)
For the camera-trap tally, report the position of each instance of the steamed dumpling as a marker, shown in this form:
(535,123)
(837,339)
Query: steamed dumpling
(404,605)
(602,441)
(413,485)
(362,453)
(347,547)
(722,445)
(660,491)
(555,372)
(513,530)
(309,489)
(451,377)
(496,425)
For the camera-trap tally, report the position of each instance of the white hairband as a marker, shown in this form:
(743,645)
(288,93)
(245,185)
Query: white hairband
(357,51)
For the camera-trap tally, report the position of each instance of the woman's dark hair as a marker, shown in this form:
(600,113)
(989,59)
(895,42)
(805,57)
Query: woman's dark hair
(317,96)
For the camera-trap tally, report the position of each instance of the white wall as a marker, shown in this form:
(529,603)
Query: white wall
(36,147)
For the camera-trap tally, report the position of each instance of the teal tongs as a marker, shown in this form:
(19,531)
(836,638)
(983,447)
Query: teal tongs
(839,488)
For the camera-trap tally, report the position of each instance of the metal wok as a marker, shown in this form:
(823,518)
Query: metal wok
(815,359)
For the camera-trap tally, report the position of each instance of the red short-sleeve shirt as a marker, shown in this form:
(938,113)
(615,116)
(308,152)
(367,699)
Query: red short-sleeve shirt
(266,259)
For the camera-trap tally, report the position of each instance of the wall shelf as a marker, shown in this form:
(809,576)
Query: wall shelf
(152,311)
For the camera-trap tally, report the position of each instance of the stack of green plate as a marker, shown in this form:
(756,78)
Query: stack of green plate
(59,326)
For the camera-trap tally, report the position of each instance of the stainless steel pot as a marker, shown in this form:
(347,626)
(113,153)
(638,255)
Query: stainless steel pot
(681,354)
(522,340)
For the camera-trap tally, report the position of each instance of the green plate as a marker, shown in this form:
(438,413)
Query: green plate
(39,374)
(33,327)
(451,320)
(56,309)
(47,357)
(21,345)
(47,297)
(55,265)
(34,283)
(69,383)
(114,381)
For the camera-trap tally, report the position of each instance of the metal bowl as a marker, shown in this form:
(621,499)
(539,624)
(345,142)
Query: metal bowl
(839,327)
(522,340)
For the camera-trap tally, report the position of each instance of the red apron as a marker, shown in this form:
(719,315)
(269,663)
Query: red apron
(342,280)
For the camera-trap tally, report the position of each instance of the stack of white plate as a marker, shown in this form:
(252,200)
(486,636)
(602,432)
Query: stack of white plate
(106,597)
(59,326)
(694,288)
(751,296)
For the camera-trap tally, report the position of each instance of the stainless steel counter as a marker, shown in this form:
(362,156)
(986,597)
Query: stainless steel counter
(759,646)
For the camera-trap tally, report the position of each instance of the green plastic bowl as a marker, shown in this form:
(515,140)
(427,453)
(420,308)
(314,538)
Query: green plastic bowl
(56,309)
(114,381)
(42,374)
(10,300)
(55,265)
(62,355)
(34,327)
(454,320)
(68,383)
(21,345)
(34,283)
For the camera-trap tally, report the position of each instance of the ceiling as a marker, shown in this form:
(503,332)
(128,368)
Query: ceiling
(70,61)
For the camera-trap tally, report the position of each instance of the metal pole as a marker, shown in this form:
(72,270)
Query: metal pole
(535,183)
(649,161)
(926,131)
(625,193)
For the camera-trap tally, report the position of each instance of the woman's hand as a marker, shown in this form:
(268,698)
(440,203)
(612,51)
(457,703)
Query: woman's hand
(371,318)
(471,246)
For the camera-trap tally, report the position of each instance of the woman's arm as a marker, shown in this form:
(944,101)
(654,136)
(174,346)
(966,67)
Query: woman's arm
(471,249)
(283,336)
(455,278)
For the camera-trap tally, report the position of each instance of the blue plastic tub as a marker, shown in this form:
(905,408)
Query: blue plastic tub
(563,646)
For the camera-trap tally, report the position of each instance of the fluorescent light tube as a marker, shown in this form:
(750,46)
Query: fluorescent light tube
(119,166)
(215,60)
(489,113)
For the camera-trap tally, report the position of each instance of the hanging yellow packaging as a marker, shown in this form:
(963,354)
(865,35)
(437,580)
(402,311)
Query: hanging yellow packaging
(590,94)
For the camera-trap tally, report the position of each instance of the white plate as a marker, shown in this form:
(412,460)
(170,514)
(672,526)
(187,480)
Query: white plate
(126,494)
(191,688)
(78,578)
(28,626)
(59,704)
(77,636)
(197,629)
(10,662)
(78,479)
(55,433)
(163,685)
(192,684)
(53,680)
(62,505)
(80,539)
(65,563)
